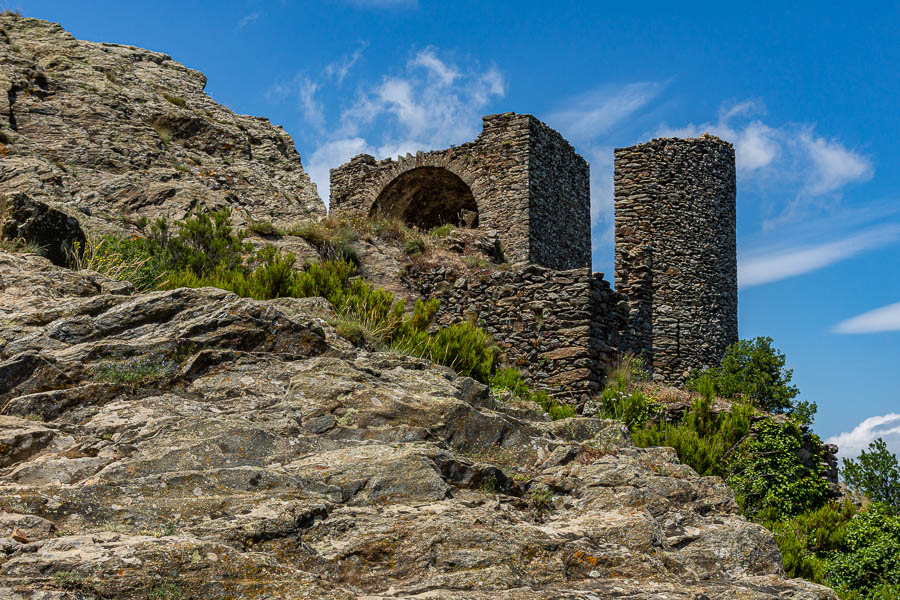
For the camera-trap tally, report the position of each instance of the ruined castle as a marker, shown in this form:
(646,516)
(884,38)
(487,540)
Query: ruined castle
(675,298)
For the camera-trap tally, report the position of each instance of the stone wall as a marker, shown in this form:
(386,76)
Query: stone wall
(560,328)
(676,258)
(560,206)
(526,181)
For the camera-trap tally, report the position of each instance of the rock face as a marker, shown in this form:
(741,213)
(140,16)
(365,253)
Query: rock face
(262,456)
(108,132)
(56,233)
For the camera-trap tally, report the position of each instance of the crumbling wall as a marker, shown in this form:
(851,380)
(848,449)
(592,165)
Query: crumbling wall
(676,257)
(560,328)
(527,182)
(560,205)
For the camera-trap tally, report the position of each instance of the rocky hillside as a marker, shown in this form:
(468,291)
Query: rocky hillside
(193,444)
(200,445)
(107,132)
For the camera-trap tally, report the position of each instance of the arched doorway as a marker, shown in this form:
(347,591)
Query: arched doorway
(427,197)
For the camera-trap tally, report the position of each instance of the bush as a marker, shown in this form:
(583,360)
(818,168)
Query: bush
(263,228)
(511,380)
(415,246)
(135,260)
(623,399)
(755,370)
(868,561)
(875,473)
(332,239)
(176,100)
(206,251)
(768,477)
(808,539)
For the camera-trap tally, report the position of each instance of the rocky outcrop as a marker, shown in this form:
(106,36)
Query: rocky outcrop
(197,443)
(34,223)
(108,133)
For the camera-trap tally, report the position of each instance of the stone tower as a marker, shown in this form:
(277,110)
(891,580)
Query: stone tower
(676,257)
(518,177)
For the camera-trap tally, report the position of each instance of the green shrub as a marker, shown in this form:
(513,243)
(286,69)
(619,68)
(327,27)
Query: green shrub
(808,539)
(868,561)
(755,370)
(263,228)
(768,477)
(164,133)
(203,243)
(442,230)
(623,399)
(176,100)
(415,246)
(135,260)
(511,380)
(204,250)
(875,473)
(702,439)
(332,239)
(166,591)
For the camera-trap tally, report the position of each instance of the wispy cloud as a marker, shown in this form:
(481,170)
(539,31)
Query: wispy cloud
(339,69)
(331,154)
(774,264)
(811,168)
(851,443)
(886,318)
(250,18)
(594,113)
(587,119)
(432,102)
(312,110)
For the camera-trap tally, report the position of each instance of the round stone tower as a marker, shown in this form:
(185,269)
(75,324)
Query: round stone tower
(676,255)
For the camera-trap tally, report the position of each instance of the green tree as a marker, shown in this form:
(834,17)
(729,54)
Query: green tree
(753,369)
(875,473)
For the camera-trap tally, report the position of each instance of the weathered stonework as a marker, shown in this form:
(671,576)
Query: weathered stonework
(676,258)
(560,328)
(518,176)
(675,247)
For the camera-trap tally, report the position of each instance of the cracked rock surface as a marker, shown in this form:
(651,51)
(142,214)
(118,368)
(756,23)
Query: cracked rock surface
(263,456)
(108,133)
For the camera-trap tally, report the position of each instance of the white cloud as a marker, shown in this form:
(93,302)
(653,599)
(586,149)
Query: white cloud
(834,165)
(312,110)
(446,74)
(432,103)
(339,69)
(594,113)
(756,144)
(851,443)
(792,157)
(330,155)
(250,18)
(768,265)
(886,318)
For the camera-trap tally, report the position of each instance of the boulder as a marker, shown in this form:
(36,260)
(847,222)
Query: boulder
(56,234)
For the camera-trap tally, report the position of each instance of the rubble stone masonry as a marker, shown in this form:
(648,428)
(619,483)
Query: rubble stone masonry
(560,328)
(675,256)
(519,177)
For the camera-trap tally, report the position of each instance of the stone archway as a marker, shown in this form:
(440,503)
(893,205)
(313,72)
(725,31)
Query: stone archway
(427,197)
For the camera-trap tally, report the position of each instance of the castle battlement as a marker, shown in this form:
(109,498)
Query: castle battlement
(675,302)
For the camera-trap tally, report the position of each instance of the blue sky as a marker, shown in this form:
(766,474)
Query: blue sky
(808,93)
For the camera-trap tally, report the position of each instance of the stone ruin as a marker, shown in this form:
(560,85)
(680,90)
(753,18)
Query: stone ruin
(675,302)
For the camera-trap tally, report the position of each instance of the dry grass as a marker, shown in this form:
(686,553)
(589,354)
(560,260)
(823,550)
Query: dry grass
(21,245)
